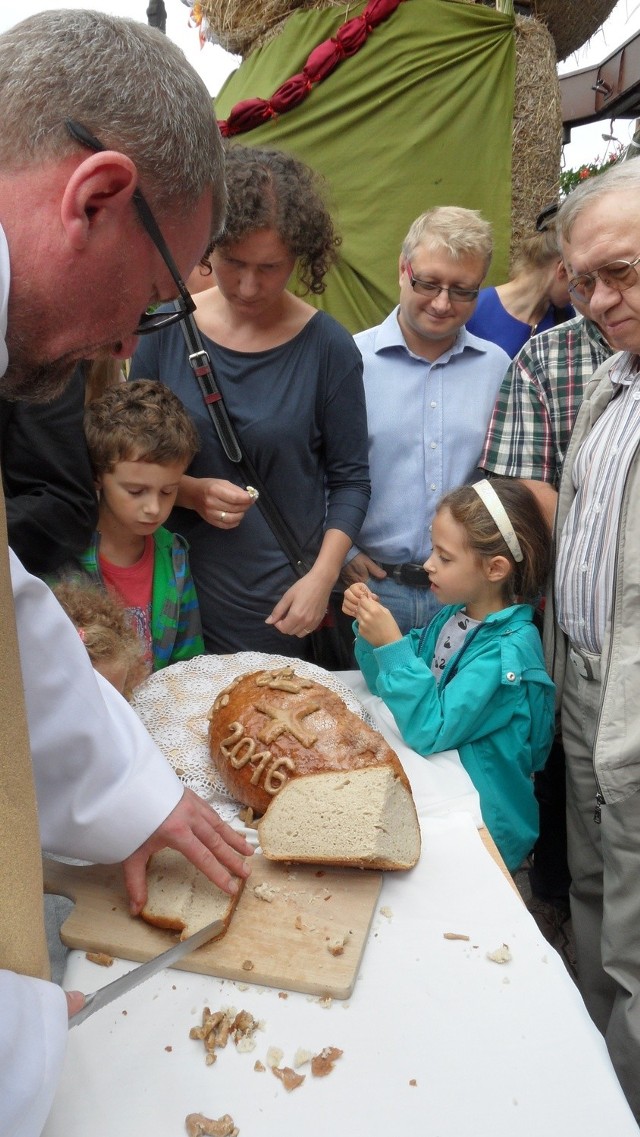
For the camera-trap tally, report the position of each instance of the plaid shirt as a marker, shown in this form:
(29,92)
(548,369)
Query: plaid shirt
(539,400)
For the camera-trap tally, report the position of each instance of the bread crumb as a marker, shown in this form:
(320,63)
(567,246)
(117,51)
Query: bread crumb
(337,944)
(198,1125)
(99,957)
(325,1001)
(259,1067)
(455,936)
(283,994)
(412,1082)
(247,965)
(323,1063)
(288,1077)
(168,1049)
(218,1026)
(301,1057)
(500,955)
(386,911)
(297,923)
(265,892)
(274,1056)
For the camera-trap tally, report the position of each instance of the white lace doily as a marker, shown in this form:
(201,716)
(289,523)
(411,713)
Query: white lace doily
(174,704)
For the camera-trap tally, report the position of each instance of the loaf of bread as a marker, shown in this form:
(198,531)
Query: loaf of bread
(268,727)
(181,898)
(283,743)
(364,818)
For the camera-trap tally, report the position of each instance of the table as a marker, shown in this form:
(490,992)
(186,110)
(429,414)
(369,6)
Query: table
(437,1038)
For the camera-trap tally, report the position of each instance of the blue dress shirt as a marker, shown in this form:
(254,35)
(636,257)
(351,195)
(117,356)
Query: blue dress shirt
(427,426)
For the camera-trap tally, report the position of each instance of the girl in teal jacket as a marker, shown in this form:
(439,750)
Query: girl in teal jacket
(474,680)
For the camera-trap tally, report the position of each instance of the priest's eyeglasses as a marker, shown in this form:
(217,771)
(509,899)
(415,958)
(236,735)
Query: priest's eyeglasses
(149,321)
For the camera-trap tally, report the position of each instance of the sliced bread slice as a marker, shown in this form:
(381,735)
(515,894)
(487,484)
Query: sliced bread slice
(181,898)
(364,818)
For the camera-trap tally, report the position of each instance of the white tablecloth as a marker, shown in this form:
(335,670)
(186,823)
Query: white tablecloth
(437,1038)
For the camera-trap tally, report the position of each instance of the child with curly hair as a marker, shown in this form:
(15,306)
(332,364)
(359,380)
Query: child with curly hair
(105,630)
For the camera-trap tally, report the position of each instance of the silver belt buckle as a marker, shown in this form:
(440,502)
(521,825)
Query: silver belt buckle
(579,663)
(583,666)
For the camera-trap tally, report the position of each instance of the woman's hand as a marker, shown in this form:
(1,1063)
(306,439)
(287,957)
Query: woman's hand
(302,607)
(352,597)
(375,623)
(221,503)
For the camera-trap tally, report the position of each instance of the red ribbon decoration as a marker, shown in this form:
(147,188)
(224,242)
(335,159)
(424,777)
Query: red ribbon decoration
(348,40)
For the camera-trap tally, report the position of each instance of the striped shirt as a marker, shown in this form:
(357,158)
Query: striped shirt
(539,400)
(587,548)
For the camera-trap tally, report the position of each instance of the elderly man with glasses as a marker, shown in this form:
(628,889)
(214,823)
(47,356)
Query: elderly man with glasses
(430,388)
(111,186)
(591,619)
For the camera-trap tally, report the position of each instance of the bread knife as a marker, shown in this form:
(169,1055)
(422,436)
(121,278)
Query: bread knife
(118,987)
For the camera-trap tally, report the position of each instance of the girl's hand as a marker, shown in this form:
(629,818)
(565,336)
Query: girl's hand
(352,597)
(375,623)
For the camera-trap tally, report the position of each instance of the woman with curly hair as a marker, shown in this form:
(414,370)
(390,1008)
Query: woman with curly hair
(291,379)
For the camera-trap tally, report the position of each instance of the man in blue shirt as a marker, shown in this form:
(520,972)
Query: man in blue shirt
(430,388)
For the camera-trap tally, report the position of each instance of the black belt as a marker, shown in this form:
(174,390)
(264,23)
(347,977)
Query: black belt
(413,575)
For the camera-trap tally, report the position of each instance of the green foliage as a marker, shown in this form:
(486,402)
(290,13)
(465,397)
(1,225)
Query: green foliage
(569,179)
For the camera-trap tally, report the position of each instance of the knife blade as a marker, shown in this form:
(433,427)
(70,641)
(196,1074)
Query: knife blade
(105,995)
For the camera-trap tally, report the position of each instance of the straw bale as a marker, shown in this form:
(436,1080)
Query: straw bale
(572,22)
(241,26)
(537,127)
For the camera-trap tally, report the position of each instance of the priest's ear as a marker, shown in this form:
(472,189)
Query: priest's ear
(98,194)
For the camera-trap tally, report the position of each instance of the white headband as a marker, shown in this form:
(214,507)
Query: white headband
(485,490)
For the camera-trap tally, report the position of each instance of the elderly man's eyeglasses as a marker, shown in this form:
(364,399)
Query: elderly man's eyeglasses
(149,321)
(619,275)
(430,288)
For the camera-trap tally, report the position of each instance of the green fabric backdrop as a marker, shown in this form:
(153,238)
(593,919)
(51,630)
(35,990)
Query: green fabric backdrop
(421,116)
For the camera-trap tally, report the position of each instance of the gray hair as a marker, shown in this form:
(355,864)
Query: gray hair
(128,84)
(622,176)
(462,232)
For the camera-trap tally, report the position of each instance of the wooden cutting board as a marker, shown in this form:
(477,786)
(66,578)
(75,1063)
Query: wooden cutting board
(286,940)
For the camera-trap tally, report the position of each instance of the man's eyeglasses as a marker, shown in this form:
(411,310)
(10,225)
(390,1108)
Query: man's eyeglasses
(430,288)
(620,275)
(149,321)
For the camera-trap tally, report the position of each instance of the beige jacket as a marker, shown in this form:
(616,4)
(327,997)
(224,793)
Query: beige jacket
(616,757)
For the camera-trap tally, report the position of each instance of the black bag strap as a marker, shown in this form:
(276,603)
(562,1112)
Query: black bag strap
(200,364)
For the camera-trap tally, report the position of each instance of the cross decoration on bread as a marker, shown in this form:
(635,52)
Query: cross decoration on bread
(287,721)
